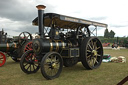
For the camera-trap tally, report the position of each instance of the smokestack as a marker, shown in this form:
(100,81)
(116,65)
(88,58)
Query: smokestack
(40,19)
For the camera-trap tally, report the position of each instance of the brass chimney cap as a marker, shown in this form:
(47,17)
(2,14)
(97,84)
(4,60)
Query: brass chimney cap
(40,7)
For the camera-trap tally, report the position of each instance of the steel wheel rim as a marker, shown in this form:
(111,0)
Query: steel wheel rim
(30,63)
(2,59)
(94,53)
(52,65)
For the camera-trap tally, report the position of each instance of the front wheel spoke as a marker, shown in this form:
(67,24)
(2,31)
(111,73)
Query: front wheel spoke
(48,71)
(96,60)
(25,64)
(53,58)
(33,67)
(58,66)
(52,72)
(48,60)
(46,68)
(28,66)
(57,62)
(55,71)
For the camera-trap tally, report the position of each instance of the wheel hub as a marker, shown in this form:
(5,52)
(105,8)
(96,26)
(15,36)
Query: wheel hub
(53,65)
(94,52)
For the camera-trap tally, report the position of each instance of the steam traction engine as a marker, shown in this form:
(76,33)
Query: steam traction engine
(64,41)
(15,47)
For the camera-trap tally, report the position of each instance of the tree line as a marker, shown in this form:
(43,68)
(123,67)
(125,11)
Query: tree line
(108,34)
(109,37)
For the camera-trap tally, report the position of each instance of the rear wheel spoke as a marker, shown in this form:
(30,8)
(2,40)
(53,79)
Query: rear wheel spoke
(98,48)
(90,46)
(98,55)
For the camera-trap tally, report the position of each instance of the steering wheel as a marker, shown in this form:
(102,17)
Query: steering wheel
(23,37)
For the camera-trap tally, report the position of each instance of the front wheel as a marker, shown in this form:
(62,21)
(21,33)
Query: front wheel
(91,52)
(29,63)
(51,65)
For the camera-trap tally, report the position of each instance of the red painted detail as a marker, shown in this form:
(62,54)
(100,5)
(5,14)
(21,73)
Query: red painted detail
(2,59)
(36,60)
(31,57)
(28,46)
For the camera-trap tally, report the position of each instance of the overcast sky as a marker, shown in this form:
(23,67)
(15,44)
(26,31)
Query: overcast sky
(17,15)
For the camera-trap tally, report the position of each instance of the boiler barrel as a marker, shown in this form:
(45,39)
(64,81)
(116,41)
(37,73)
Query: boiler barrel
(46,45)
(8,47)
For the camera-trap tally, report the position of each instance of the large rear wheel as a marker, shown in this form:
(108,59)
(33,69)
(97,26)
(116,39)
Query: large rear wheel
(91,53)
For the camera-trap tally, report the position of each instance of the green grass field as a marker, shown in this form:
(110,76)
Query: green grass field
(106,74)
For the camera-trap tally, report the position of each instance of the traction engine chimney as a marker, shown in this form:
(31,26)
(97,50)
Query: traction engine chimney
(40,19)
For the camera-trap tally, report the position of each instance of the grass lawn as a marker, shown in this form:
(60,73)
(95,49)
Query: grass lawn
(106,74)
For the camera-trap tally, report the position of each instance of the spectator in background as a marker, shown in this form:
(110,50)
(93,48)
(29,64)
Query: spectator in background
(113,45)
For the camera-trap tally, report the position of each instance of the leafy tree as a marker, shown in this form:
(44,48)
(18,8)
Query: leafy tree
(106,33)
(111,34)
